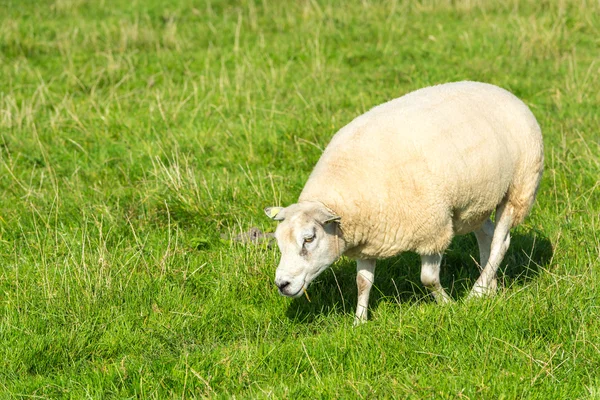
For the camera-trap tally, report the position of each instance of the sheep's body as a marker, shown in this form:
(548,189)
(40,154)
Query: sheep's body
(413,172)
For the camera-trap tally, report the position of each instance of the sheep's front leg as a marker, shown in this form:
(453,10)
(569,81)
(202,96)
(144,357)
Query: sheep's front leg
(365,273)
(430,276)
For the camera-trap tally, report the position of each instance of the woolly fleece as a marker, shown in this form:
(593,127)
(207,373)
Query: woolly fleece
(415,171)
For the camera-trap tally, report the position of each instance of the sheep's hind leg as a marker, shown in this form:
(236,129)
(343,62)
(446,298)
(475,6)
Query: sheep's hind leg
(430,276)
(486,284)
(484,237)
(365,273)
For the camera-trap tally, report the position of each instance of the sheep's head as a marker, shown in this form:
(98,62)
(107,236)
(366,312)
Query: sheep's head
(309,240)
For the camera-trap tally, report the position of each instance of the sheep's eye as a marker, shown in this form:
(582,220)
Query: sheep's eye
(309,239)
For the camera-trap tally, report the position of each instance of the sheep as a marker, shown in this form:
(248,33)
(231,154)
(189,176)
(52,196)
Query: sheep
(409,175)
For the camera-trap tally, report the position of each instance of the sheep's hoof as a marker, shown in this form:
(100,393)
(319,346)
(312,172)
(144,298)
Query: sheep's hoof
(483,291)
(475,294)
(359,321)
(442,298)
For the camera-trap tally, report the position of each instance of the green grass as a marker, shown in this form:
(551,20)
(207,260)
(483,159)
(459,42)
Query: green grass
(133,134)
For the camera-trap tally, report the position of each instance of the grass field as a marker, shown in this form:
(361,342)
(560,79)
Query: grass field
(133,134)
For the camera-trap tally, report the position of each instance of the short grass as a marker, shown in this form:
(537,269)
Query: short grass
(133,134)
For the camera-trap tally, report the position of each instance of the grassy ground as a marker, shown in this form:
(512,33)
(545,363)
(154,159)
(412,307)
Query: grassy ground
(133,134)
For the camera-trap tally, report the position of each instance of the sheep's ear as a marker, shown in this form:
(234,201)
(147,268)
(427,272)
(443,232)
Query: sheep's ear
(334,218)
(275,213)
(327,216)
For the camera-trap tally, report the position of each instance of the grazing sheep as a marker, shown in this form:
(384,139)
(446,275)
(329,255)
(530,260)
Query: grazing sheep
(409,175)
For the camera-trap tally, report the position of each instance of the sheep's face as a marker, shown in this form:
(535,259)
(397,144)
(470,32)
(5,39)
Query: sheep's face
(309,240)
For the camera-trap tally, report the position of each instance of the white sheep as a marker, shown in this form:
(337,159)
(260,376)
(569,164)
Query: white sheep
(409,175)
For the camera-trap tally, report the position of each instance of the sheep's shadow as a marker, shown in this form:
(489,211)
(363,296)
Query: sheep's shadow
(398,279)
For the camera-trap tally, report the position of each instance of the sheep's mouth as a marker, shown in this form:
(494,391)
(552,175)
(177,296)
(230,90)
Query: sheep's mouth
(305,284)
(297,294)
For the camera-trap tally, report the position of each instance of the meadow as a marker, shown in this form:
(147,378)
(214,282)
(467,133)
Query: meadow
(136,137)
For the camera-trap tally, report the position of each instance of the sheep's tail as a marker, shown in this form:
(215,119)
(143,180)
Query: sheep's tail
(521,193)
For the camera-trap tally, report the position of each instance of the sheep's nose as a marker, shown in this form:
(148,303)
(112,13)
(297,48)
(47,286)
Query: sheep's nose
(282,285)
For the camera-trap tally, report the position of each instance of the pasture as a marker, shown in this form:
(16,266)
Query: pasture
(137,137)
